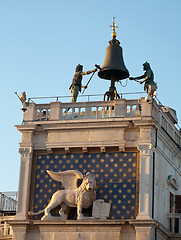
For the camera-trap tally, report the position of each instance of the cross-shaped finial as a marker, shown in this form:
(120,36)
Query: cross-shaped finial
(114,34)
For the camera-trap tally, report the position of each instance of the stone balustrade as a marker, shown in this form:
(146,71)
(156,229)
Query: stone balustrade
(5,230)
(173,217)
(82,110)
(122,108)
(166,122)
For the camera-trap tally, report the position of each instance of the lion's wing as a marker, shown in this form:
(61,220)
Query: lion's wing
(67,178)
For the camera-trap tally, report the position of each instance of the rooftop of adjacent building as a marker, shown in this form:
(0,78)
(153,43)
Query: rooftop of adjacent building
(8,203)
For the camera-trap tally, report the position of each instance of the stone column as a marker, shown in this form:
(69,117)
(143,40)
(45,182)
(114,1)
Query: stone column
(24,183)
(145,182)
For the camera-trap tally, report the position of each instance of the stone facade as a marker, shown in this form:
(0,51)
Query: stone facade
(114,127)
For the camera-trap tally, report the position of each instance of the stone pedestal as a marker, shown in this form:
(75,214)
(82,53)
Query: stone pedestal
(88,230)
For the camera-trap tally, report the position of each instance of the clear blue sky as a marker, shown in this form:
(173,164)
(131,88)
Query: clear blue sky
(41,42)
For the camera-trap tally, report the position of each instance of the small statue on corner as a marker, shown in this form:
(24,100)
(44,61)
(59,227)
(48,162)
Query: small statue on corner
(76,85)
(150,86)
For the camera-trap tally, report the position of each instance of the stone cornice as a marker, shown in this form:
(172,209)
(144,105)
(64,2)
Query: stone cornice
(171,145)
(88,225)
(23,128)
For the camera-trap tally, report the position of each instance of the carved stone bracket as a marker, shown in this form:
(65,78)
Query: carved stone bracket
(49,150)
(26,152)
(121,149)
(102,149)
(67,150)
(84,149)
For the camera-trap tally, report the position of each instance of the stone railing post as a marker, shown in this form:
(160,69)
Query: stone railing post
(120,108)
(55,110)
(146,108)
(88,111)
(24,183)
(145,182)
(30,113)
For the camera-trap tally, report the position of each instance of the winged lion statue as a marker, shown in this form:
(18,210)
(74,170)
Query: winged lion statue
(72,196)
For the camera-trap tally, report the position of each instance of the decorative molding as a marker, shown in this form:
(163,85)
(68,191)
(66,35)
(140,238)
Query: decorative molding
(88,144)
(144,147)
(172,182)
(26,152)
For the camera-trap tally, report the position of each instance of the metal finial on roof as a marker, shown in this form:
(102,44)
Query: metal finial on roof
(114,34)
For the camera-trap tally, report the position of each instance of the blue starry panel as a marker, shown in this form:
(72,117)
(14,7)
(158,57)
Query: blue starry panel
(116,176)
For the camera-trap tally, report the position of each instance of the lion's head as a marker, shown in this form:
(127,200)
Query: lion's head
(89,181)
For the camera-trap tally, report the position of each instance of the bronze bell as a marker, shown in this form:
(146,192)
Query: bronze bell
(113,67)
